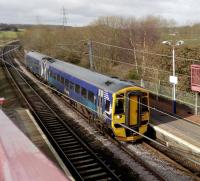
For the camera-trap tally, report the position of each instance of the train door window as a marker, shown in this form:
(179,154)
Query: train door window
(84,92)
(71,85)
(58,77)
(91,96)
(66,83)
(62,80)
(119,106)
(77,89)
(144,104)
(107,106)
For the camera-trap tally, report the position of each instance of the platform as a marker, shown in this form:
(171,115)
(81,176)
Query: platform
(177,132)
(20,159)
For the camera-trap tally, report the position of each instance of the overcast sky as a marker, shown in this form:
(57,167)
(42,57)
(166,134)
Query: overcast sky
(82,12)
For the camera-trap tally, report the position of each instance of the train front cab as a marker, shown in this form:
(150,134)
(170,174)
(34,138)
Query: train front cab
(129,109)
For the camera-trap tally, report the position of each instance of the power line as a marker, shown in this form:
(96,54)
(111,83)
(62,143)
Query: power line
(126,63)
(131,64)
(145,52)
(177,150)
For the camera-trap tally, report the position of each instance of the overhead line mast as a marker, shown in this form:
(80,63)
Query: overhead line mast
(64,17)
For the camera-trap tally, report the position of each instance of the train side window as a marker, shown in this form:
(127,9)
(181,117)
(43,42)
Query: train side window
(71,85)
(77,89)
(62,80)
(54,76)
(84,92)
(119,105)
(91,96)
(66,83)
(58,77)
(107,106)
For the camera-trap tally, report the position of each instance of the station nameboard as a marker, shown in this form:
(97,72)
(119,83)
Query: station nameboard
(195,77)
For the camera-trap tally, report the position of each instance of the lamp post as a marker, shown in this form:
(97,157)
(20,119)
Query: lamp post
(173,78)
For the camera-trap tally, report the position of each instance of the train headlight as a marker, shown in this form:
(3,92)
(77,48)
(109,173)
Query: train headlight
(119,116)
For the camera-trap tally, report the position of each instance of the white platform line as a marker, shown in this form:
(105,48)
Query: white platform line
(179,140)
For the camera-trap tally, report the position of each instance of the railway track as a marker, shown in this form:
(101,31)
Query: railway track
(51,125)
(79,158)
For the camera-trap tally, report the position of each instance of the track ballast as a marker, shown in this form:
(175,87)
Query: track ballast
(82,162)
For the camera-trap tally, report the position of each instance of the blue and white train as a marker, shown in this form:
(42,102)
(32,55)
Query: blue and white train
(106,101)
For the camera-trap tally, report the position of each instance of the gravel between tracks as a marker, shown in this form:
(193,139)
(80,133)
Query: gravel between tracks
(164,168)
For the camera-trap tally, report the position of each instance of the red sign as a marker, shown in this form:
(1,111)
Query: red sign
(195,78)
(2,100)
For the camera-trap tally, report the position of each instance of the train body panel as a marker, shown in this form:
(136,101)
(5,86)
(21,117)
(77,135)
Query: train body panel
(112,100)
(76,89)
(34,63)
(38,63)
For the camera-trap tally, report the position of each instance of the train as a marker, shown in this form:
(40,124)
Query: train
(108,102)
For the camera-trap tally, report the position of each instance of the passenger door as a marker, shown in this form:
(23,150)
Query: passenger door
(100,102)
(133,106)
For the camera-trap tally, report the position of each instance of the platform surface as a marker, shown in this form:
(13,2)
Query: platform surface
(185,130)
(20,160)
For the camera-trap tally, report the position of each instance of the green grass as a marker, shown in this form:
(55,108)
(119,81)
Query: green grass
(5,35)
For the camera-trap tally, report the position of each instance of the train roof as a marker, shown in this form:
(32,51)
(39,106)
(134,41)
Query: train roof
(40,56)
(101,81)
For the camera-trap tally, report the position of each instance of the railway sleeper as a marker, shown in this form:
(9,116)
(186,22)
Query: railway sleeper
(71,147)
(83,162)
(49,117)
(98,176)
(61,135)
(70,143)
(82,157)
(65,140)
(66,137)
(54,125)
(92,165)
(80,153)
(51,120)
(92,171)
(59,130)
(46,114)
(55,128)
(73,150)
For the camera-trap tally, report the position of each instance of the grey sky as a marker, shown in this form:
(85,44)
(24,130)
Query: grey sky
(82,12)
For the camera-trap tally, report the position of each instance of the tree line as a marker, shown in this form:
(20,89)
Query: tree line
(137,51)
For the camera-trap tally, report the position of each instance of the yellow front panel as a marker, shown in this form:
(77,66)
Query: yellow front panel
(118,131)
(133,110)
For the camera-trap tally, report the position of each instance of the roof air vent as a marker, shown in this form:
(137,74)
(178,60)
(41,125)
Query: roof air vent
(108,83)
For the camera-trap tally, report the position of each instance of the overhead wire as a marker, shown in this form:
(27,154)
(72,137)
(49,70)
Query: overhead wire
(148,138)
(122,62)
(145,52)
